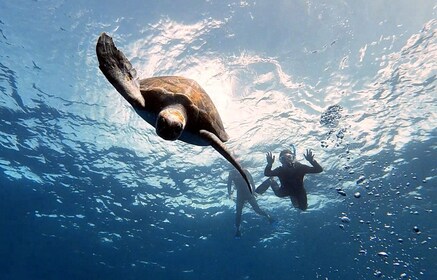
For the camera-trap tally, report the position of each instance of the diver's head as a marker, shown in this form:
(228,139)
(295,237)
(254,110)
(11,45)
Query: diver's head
(288,157)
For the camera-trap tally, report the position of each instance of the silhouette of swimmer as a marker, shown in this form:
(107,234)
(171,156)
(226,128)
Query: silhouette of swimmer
(243,196)
(291,175)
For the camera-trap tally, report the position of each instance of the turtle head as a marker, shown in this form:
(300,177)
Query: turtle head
(171,122)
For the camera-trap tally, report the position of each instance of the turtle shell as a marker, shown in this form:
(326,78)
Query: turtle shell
(160,92)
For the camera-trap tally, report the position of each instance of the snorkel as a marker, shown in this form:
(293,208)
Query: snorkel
(293,150)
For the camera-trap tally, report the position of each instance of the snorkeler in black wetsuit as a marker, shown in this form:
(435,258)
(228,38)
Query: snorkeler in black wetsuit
(243,196)
(291,175)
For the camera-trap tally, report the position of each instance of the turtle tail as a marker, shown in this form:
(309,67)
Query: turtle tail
(218,145)
(118,70)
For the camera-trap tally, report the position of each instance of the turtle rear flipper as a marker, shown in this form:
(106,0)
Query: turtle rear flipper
(118,70)
(221,148)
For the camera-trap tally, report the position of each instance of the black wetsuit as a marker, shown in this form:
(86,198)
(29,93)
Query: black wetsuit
(291,178)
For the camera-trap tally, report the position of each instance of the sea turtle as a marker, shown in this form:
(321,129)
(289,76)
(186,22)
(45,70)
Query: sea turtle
(178,107)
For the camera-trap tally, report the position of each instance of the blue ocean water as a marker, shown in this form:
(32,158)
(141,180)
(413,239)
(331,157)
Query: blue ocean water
(88,191)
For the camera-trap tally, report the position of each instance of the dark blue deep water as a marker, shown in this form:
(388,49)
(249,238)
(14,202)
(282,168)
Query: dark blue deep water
(88,191)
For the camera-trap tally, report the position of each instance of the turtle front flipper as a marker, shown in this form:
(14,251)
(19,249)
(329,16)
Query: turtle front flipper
(118,70)
(218,145)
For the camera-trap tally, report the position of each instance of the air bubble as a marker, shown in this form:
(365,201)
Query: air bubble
(361,179)
(341,192)
(382,254)
(345,219)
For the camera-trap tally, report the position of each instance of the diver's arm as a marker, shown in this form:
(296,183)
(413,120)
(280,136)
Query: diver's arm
(268,170)
(316,168)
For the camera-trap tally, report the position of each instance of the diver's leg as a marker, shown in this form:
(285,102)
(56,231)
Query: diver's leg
(238,213)
(258,210)
(300,200)
(279,191)
(294,201)
(275,187)
(303,200)
(264,186)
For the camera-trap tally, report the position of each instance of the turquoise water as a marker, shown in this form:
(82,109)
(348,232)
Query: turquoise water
(88,191)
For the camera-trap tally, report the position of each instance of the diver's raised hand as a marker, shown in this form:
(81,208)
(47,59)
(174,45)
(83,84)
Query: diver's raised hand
(270,158)
(309,156)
